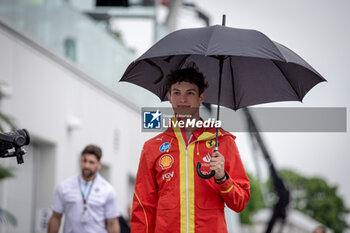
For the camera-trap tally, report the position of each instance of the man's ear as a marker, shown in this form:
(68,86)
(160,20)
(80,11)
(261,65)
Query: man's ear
(169,96)
(99,165)
(201,97)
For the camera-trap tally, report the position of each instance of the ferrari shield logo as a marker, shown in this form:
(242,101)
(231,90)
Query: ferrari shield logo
(210,143)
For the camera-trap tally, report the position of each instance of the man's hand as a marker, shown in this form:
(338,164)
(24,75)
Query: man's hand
(113,225)
(217,164)
(54,222)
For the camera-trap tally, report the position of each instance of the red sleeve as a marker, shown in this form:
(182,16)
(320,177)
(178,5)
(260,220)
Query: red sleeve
(236,189)
(145,196)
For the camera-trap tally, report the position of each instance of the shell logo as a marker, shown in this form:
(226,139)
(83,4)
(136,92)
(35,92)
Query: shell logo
(166,161)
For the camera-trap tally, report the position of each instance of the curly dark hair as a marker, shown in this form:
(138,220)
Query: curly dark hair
(93,149)
(191,75)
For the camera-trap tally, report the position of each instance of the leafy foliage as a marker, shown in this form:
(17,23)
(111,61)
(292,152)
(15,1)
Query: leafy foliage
(255,202)
(316,198)
(5,172)
(7,217)
(5,120)
(312,196)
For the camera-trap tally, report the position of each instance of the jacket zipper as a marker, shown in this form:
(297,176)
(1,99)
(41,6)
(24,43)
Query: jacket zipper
(187,201)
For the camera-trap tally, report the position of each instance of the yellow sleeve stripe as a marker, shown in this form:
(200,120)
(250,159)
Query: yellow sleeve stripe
(144,211)
(228,190)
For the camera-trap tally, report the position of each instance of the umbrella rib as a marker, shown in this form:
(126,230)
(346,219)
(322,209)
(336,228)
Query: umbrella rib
(233,85)
(273,43)
(182,61)
(128,70)
(210,38)
(148,61)
(276,64)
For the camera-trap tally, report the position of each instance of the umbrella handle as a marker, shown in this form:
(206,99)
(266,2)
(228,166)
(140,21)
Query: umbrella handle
(200,174)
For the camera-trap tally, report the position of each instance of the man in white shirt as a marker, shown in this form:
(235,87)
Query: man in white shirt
(87,200)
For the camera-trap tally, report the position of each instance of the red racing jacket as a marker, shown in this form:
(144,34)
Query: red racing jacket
(169,196)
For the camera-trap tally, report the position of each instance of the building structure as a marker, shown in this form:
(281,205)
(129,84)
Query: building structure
(59,71)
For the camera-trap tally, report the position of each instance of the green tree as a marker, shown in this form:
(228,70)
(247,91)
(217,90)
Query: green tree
(5,172)
(317,199)
(255,202)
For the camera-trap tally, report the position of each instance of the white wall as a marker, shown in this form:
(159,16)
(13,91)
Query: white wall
(45,95)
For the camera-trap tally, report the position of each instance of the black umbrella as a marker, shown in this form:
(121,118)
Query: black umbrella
(242,67)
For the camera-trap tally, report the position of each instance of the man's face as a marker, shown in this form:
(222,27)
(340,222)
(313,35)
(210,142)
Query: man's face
(89,165)
(185,98)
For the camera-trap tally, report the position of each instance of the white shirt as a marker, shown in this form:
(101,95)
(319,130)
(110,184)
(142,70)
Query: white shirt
(101,204)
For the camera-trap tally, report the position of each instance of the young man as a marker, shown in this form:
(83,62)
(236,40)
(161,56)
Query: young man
(169,195)
(87,200)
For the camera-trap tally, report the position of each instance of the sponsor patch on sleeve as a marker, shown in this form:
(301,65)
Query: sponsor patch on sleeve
(166,161)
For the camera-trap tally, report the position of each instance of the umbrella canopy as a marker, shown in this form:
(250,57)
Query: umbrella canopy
(255,69)
(242,67)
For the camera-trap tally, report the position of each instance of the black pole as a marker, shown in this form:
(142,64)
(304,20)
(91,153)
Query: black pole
(216,148)
(279,211)
(221,63)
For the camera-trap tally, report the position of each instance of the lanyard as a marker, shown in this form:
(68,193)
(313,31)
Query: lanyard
(83,193)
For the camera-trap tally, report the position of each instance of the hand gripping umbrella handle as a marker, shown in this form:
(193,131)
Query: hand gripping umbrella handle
(201,175)
(199,165)
(216,148)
